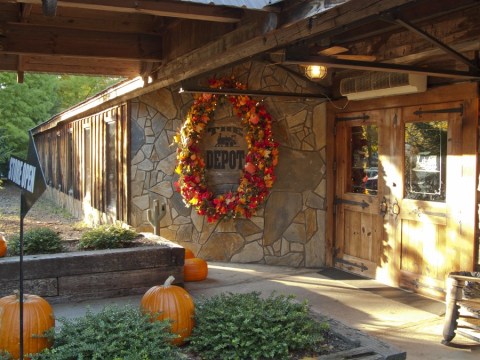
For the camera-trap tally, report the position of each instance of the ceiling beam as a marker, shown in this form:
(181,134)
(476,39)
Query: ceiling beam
(292,57)
(234,46)
(183,10)
(26,39)
(445,48)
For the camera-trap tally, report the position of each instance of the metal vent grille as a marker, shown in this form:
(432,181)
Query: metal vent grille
(373,81)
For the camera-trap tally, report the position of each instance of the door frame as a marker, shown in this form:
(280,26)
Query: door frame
(465,92)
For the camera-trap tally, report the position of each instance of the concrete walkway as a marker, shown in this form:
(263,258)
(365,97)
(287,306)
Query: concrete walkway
(406,321)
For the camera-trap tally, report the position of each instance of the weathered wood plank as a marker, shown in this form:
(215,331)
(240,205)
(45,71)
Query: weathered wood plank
(190,11)
(91,262)
(98,283)
(362,353)
(28,39)
(40,287)
(104,273)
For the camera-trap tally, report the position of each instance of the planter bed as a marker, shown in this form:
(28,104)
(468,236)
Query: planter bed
(83,275)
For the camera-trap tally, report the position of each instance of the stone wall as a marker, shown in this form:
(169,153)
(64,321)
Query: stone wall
(290,228)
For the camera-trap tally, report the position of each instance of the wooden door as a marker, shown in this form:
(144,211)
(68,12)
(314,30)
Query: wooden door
(405,194)
(359,193)
(426,205)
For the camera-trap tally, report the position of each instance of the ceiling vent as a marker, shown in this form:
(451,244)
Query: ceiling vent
(379,84)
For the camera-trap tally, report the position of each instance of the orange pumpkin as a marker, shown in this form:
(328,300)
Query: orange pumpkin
(195,269)
(37,318)
(189,254)
(171,302)
(3,246)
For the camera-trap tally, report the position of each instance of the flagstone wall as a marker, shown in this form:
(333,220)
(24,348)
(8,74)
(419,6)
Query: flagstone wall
(290,228)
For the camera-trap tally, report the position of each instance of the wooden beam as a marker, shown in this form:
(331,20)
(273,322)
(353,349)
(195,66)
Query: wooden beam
(70,65)
(26,39)
(184,10)
(240,44)
(447,49)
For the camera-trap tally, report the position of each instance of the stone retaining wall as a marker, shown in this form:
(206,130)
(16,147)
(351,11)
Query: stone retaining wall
(290,228)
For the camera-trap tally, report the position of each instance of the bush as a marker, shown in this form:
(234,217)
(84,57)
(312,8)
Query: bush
(4,355)
(245,326)
(107,237)
(120,333)
(36,241)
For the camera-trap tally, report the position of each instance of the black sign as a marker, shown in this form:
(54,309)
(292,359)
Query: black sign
(226,151)
(28,175)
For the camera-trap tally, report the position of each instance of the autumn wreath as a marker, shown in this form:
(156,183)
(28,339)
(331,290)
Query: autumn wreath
(262,156)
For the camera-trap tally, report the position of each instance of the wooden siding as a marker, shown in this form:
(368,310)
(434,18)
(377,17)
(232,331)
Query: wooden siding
(62,156)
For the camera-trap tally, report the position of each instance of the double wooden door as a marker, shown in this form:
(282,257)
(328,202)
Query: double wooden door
(403,191)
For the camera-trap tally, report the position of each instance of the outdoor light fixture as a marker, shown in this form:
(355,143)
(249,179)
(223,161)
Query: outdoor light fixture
(315,72)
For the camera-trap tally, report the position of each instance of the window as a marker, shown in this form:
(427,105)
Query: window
(425,160)
(87,164)
(364,159)
(70,161)
(111,168)
(59,163)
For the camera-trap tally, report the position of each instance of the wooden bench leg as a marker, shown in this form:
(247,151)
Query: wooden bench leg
(454,293)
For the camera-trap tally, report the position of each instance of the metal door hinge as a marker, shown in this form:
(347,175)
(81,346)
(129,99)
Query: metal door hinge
(362,203)
(361,266)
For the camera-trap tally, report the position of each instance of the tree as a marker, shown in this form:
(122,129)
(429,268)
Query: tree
(74,89)
(41,96)
(22,106)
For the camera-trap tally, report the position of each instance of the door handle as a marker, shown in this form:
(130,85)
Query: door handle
(395,208)
(384,207)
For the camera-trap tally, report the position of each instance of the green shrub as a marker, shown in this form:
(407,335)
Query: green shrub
(107,237)
(116,333)
(245,326)
(36,241)
(4,355)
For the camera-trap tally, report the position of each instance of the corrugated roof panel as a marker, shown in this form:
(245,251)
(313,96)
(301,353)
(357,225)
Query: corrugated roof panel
(249,4)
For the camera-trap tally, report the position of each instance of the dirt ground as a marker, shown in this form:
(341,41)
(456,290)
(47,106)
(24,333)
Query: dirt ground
(44,213)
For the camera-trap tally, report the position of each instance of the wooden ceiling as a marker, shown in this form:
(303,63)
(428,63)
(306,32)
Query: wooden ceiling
(173,40)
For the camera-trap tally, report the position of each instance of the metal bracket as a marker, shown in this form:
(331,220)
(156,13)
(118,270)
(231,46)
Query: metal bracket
(249,92)
(362,266)
(362,203)
(419,212)
(349,118)
(459,110)
(419,284)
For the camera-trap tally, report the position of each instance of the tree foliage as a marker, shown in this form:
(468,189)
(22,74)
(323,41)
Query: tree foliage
(23,106)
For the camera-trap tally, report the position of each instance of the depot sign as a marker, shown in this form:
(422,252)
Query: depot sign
(28,175)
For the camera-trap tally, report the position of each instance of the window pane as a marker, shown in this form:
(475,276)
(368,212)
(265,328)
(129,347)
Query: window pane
(111,167)
(364,159)
(425,160)
(86,164)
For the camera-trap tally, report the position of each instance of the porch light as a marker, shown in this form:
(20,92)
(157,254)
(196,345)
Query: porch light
(316,72)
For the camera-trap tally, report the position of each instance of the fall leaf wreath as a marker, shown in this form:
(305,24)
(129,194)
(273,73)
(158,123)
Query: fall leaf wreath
(261,158)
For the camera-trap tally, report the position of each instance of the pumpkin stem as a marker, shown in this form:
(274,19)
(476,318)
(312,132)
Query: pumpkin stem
(169,281)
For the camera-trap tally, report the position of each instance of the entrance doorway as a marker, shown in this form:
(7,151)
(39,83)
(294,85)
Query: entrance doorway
(404,184)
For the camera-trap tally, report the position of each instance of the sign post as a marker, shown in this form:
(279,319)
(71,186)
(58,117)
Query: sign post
(27,175)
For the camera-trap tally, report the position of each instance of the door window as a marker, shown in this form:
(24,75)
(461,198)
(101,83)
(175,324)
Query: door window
(364,160)
(425,160)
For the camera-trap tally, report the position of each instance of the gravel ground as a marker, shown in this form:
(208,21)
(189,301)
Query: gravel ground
(43,213)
